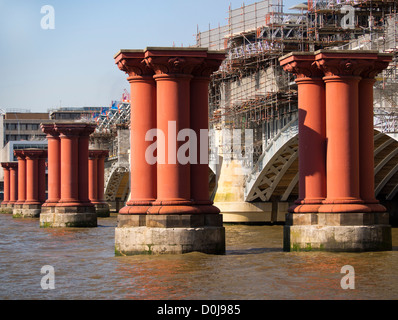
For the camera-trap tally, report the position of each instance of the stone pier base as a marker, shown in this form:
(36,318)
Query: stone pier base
(26,210)
(5,208)
(169,234)
(339,232)
(68,217)
(102,210)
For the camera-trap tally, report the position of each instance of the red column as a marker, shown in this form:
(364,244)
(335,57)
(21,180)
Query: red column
(93,176)
(42,179)
(142,119)
(96,173)
(6,187)
(199,123)
(13,183)
(366,135)
(74,163)
(312,131)
(83,163)
(35,175)
(342,72)
(173,73)
(21,176)
(69,136)
(54,163)
(32,174)
(101,175)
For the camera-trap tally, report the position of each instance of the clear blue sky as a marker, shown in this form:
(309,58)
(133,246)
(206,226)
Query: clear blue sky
(73,65)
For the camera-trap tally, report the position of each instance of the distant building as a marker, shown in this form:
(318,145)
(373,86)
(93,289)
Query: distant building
(21,126)
(76,113)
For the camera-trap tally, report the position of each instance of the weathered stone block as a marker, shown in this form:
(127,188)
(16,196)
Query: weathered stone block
(146,240)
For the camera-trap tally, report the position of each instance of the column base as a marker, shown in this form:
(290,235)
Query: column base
(26,210)
(68,217)
(337,232)
(4,208)
(169,234)
(102,210)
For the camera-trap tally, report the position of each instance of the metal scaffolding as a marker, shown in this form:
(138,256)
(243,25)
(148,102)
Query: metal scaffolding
(251,91)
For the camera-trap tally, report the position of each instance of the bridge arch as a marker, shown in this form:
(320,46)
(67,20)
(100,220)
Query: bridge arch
(117,183)
(275,176)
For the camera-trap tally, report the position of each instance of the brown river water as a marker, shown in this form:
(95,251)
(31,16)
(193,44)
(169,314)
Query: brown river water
(254,267)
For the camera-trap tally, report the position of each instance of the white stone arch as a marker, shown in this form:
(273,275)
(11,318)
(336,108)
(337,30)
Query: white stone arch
(276,159)
(113,182)
(282,152)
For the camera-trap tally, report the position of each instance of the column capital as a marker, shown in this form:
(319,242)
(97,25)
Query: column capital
(301,64)
(34,153)
(97,154)
(50,130)
(13,165)
(19,154)
(344,63)
(209,65)
(373,69)
(67,130)
(174,60)
(8,165)
(132,63)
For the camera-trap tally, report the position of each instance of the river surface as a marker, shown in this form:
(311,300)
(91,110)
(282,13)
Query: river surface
(254,267)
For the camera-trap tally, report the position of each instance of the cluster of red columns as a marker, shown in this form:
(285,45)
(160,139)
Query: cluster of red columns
(75,173)
(31,176)
(10,183)
(169,92)
(68,154)
(336,166)
(96,169)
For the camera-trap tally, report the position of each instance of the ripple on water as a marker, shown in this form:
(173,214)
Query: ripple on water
(254,267)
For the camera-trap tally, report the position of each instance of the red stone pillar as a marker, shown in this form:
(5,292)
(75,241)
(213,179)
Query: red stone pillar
(21,177)
(32,175)
(73,208)
(342,76)
(69,136)
(31,162)
(175,222)
(92,176)
(199,123)
(13,183)
(173,74)
(83,164)
(366,135)
(54,164)
(96,181)
(101,175)
(142,120)
(345,221)
(312,131)
(6,184)
(42,178)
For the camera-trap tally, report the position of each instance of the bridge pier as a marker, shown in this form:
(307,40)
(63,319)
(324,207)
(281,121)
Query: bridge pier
(96,171)
(68,173)
(31,182)
(349,218)
(171,216)
(9,194)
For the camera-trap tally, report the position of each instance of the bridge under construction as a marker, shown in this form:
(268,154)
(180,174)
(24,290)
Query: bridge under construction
(252,91)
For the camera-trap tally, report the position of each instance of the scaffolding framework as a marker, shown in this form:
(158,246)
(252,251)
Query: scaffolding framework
(251,91)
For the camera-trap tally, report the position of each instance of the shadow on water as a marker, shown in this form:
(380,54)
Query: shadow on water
(252,251)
